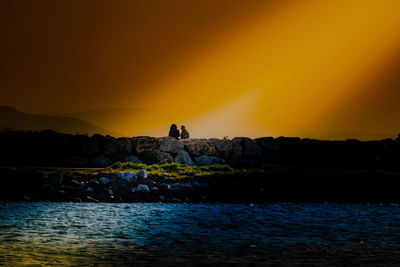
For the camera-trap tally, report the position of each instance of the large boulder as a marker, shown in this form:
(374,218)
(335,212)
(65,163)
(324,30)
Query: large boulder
(124,147)
(133,159)
(142,174)
(170,145)
(132,176)
(144,143)
(116,148)
(197,147)
(142,188)
(237,149)
(127,176)
(183,157)
(164,157)
(267,144)
(249,148)
(208,160)
(101,162)
(110,146)
(223,148)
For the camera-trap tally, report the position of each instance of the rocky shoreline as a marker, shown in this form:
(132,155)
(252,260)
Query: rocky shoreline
(48,166)
(48,148)
(272,184)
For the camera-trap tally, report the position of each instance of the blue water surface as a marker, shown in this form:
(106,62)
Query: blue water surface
(49,233)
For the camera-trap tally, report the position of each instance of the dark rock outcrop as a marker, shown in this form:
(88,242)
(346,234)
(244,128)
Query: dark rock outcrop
(101,162)
(49,148)
(197,147)
(164,157)
(208,160)
(144,143)
(183,157)
(248,148)
(170,145)
(270,186)
(88,146)
(223,148)
(116,148)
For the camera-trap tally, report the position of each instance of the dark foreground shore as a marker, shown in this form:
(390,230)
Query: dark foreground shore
(174,183)
(48,166)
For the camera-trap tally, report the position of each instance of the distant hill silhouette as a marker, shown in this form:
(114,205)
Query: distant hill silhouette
(11,118)
(127,121)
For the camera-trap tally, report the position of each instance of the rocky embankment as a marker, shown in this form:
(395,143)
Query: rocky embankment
(48,148)
(255,170)
(270,184)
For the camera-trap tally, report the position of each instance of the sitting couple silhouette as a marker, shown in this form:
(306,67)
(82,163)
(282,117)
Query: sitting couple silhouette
(174,132)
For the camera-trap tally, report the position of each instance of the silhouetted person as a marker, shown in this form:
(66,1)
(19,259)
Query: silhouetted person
(184,133)
(173,131)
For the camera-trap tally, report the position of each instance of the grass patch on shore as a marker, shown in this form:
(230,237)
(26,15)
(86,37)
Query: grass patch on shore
(173,170)
(180,171)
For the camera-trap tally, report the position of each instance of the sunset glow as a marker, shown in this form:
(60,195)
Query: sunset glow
(308,66)
(294,68)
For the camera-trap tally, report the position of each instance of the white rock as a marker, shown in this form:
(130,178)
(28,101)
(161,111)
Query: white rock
(128,176)
(132,176)
(183,157)
(142,188)
(142,174)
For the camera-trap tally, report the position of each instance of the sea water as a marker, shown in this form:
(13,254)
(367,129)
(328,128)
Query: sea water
(48,233)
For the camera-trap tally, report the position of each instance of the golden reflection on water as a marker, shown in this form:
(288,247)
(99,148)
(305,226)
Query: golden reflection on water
(34,254)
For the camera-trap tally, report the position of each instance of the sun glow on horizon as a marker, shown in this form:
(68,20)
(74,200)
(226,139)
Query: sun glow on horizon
(130,67)
(233,119)
(309,57)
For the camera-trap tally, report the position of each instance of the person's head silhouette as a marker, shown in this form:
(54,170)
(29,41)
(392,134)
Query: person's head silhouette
(184,133)
(173,131)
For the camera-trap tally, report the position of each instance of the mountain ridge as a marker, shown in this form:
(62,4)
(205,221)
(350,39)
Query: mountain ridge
(11,118)
(126,121)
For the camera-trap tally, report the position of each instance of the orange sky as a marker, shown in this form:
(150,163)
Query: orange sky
(310,68)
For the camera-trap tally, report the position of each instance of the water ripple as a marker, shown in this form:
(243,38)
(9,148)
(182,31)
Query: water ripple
(83,233)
